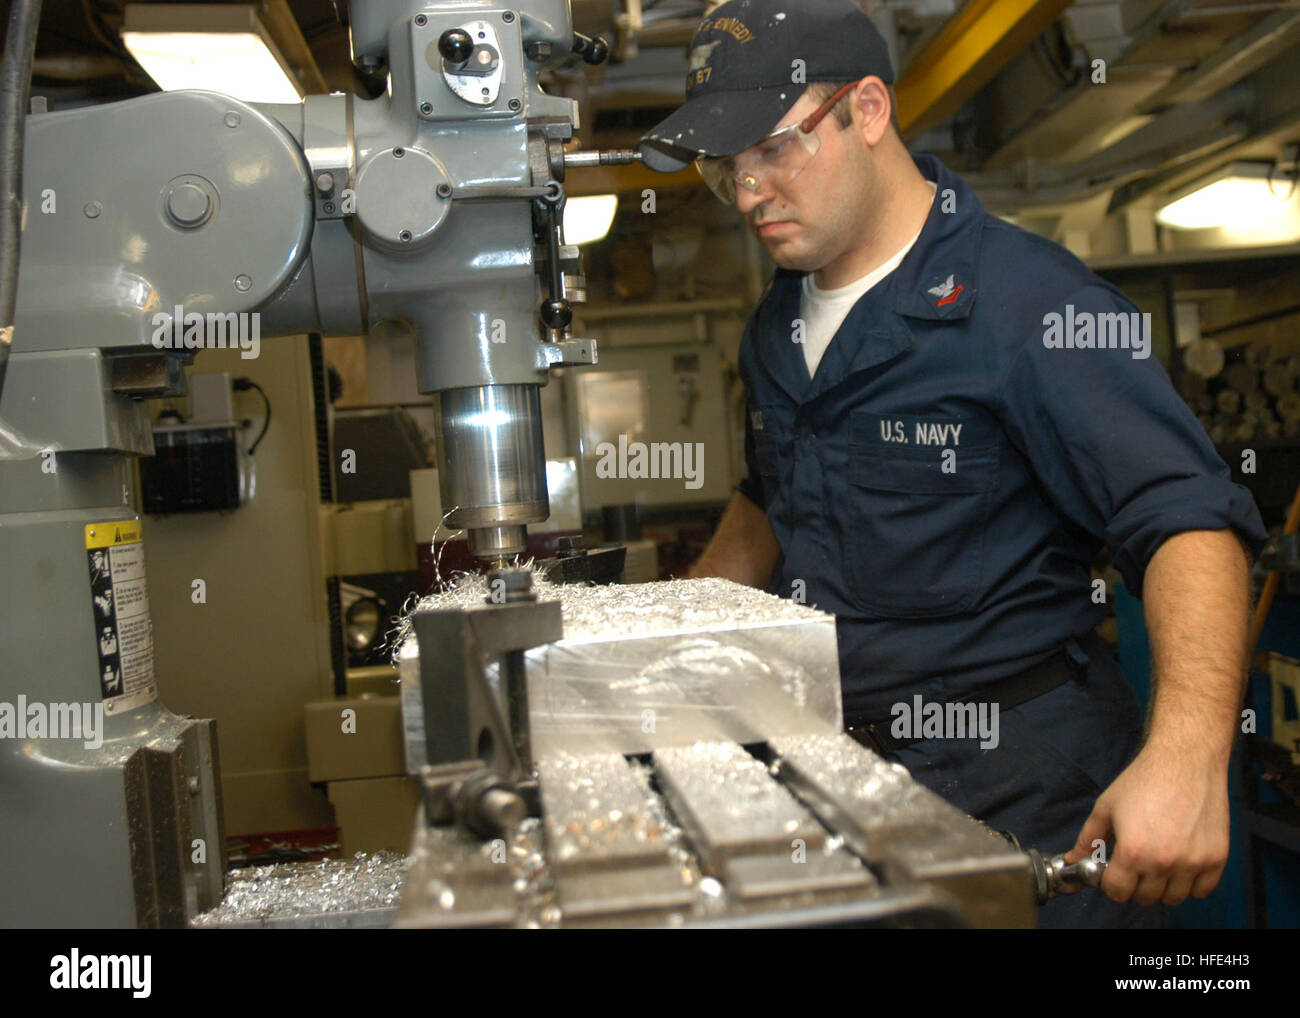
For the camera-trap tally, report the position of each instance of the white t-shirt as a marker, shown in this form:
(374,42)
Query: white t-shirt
(824,311)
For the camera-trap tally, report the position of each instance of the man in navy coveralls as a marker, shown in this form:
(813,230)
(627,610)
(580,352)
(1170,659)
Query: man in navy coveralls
(947,418)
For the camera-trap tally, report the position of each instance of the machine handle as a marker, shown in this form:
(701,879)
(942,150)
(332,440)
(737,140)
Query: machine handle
(1055,877)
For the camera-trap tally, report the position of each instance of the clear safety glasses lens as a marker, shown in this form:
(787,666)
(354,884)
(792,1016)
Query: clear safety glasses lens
(773,162)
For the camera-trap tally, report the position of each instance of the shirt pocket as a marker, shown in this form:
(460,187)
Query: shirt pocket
(773,448)
(915,533)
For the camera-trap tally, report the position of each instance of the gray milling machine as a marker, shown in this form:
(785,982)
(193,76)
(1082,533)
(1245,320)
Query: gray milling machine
(434,208)
(546,798)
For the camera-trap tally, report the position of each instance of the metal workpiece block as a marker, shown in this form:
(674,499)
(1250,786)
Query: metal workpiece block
(648,665)
(673,663)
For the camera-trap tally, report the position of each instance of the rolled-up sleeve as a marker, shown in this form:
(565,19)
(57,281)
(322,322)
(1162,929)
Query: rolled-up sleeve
(1116,450)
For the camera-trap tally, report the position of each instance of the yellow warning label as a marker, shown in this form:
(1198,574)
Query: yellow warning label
(108,535)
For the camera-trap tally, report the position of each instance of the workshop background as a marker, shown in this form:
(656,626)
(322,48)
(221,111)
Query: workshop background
(1082,122)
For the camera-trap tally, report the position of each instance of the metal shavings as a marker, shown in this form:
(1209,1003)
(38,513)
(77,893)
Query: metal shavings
(534,886)
(594,808)
(261,895)
(456,879)
(731,798)
(880,792)
(616,611)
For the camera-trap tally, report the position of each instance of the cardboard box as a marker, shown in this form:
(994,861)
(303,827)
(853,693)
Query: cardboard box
(367,743)
(375,813)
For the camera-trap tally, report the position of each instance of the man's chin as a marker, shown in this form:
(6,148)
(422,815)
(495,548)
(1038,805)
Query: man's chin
(788,257)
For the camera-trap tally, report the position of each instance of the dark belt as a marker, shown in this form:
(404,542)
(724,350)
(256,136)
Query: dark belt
(1067,663)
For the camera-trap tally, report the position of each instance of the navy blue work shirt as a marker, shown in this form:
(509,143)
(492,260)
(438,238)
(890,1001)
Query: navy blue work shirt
(944,480)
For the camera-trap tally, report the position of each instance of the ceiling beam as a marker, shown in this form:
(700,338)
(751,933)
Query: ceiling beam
(975,45)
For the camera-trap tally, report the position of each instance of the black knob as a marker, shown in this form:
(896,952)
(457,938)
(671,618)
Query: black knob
(455,45)
(592,51)
(556,313)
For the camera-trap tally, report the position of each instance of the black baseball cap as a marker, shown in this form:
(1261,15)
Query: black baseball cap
(743,77)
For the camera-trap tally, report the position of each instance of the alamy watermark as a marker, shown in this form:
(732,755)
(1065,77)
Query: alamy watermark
(945,720)
(23,720)
(190,330)
(1098,330)
(682,461)
(77,971)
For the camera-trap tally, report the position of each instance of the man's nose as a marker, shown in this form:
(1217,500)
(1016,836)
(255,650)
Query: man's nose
(747,200)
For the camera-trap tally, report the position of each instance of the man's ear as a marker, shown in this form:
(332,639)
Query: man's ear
(872,110)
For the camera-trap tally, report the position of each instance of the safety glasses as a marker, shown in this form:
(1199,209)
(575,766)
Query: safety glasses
(774,161)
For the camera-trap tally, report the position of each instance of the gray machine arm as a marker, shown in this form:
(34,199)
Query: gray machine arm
(160,225)
(420,211)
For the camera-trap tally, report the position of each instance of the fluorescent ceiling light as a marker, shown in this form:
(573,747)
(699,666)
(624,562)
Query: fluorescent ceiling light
(1239,196)
(588,217)
(216,47)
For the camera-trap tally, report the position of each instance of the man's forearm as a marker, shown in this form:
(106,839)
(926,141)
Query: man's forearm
(744,548)
(1196,598)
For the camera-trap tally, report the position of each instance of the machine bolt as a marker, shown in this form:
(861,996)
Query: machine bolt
(188,205)
(444,190)
(324,182)
(421,20)
(398,153)
(232,119)
(539,51)
(404,236)
(426,108)
(515,105)
(243,283)
(507,16)
(93,209)
(328,207)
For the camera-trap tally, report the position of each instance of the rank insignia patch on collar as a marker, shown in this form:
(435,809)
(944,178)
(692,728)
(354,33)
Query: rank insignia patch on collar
(947,292)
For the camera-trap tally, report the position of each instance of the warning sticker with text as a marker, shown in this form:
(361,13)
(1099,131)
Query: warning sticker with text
(123,629)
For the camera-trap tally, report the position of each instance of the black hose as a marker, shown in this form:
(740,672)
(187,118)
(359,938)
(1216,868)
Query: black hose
(15,82)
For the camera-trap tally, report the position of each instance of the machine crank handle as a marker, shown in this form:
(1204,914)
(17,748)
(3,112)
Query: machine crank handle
(1053,876)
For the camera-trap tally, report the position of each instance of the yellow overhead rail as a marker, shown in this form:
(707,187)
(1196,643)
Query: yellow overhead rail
(978,42)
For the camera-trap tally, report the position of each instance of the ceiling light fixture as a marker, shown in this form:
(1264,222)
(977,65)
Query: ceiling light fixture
(1238,196)
(215,47)
(588,218)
